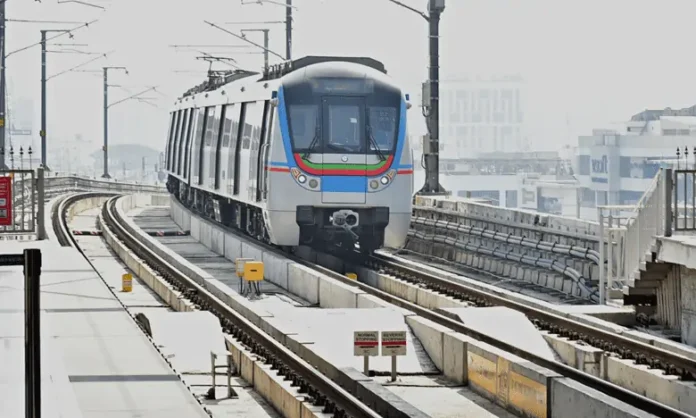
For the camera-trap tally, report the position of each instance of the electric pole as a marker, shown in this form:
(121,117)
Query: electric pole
(105,147)
(3,89)
(432,151)
(431,98)
(288,29)
(42,133)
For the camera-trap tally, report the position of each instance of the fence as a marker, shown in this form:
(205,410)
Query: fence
(27,196)
(18,201)
(630,232)
(682,214)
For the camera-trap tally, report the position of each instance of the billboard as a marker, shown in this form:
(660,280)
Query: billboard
(5,201)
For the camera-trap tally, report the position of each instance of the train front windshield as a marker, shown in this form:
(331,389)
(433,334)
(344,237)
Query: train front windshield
(346,116)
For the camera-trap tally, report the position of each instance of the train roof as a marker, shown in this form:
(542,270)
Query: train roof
(280,70)
(217,79)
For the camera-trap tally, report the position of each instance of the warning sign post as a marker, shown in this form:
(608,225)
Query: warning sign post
(366,344)
(393,345)
(5,201)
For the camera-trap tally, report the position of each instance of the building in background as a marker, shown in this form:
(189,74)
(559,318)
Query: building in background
(616,166)
(130,162)
(482,115)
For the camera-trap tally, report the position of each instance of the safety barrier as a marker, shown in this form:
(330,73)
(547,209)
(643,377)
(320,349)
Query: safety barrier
(26,200)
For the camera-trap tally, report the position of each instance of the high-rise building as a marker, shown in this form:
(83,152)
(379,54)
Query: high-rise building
(482,115)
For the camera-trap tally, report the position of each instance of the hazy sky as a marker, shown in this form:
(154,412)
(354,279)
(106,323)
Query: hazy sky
(587,63)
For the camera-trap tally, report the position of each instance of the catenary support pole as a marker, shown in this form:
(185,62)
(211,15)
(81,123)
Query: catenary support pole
(288,30)
(43,99)
(106,124)
(432,158)
(3,88)
(41,204)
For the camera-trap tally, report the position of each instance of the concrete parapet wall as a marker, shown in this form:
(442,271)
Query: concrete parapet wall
(516,384)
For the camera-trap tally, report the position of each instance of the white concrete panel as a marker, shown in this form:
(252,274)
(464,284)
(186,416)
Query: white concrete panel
(507,325)
(303,283)
(187,338)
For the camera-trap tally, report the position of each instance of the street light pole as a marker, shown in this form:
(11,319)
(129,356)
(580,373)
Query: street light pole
(105,147)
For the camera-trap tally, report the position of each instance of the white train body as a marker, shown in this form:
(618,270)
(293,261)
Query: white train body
(311,153)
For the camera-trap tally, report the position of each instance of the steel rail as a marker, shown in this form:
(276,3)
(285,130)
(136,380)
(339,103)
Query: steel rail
(59,216)
(668,360)
(322,391)
(610,389)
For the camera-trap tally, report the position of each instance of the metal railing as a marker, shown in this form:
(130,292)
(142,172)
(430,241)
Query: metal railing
(682,213)
(631,233)
(26,199)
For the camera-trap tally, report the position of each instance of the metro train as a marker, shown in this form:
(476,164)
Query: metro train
(310,152)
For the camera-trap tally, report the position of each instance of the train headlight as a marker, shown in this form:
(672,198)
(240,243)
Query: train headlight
(313,183)
(384,180)
(302,179)
(374,184)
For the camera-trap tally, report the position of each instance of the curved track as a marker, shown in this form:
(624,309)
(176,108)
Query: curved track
(60,212)
(321,391)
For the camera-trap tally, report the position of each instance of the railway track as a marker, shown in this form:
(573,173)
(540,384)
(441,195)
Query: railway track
(320,390)
(615,343)
(59,214)
(654,357)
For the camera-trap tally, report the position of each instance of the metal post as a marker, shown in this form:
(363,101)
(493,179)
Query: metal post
(265,48)
(106,125)
(602,287)
(668,201)
(432,158)
(3,88)
(41,204)
(288,29)
(32,338)
(43,99)
(366,365)
(393,369)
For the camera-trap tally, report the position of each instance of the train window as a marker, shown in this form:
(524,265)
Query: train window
(383,126)
(211,140)
(227,125)
(252,123)
(344,126)
(197,156)
(303,125)
(192,120)
(183,141)
(232,115)
(171,136)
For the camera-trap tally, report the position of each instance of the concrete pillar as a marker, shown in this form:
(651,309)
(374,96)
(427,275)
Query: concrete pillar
(688,303)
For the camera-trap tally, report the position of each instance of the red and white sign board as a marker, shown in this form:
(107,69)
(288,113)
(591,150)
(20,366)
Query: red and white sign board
(393,343)
(366,343)
(5,201)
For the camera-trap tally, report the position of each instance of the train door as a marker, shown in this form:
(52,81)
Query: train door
(264,153)
(344,149)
